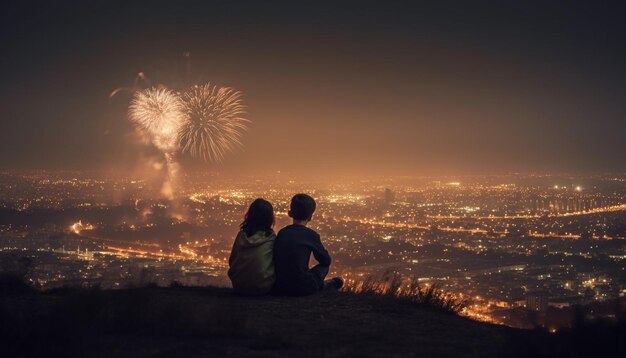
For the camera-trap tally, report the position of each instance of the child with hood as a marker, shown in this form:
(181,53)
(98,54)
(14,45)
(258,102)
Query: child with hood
(251,259)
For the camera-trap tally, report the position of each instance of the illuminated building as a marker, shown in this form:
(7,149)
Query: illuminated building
(537,301)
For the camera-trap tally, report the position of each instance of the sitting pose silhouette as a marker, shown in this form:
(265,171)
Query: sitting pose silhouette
(251,260)
(292,250)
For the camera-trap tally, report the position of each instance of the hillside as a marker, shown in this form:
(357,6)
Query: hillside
(201,322)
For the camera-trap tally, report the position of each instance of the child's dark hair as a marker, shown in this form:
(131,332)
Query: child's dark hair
(302,207)
(259,217)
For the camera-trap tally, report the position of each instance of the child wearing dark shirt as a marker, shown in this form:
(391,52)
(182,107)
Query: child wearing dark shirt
(292,250)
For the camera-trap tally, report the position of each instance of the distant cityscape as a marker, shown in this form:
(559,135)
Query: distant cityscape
(520,249)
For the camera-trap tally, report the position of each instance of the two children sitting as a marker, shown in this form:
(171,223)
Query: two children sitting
(262,262)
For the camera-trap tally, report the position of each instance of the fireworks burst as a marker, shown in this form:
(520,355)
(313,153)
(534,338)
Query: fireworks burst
(158,111)
(205,121)
(213,122)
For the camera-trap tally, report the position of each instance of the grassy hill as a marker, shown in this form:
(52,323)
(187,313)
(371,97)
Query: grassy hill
(201,322)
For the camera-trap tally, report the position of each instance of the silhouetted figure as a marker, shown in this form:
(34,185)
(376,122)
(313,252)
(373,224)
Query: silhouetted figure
(251,261)
(292,250)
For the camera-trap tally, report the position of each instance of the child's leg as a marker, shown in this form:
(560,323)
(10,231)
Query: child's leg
(319,273)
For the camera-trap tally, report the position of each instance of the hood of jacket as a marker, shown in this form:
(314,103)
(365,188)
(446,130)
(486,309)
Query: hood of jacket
(259,238)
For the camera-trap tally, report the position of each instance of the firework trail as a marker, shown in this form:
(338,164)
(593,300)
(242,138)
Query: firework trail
(158,113)
(213,122)
(140,81)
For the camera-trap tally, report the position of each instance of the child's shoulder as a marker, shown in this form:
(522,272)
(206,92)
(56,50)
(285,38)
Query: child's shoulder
(297,230)
(311,231)
(286,230)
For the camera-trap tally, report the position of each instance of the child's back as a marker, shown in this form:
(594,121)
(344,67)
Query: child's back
(251,268)
(292,251)
(251,260)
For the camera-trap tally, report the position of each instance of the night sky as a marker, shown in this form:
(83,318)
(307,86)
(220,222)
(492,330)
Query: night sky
(451,87)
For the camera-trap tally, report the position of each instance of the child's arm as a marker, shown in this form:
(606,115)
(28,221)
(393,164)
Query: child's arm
(319,252)
(233,254)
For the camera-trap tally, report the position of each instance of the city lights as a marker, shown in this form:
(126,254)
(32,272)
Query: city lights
(486,242)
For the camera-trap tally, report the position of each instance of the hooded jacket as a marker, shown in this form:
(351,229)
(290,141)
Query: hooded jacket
(251,263)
